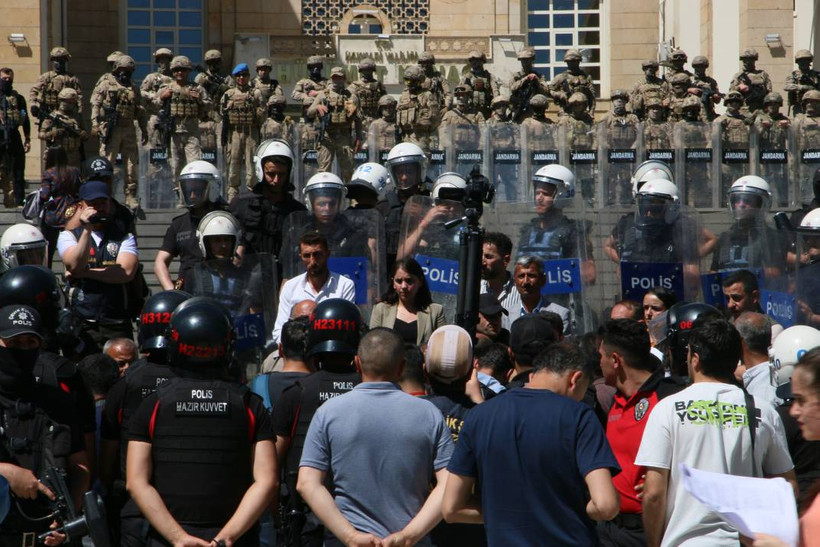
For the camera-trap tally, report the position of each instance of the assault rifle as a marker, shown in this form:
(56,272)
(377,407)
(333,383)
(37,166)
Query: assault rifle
(755,93)
(6,128)
(68,128)
(112,117)
(165,124)
(323,121)
(91,523)
(525,93)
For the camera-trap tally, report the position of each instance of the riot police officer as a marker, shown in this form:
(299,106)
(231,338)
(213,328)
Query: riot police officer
(313,84)
(383,132)
(525,84)
(752,82)
(340,120)
(651,87)
(808,264)
(418,113)
(266,85)
(368,90)
(572,81)
(367,185)
(43,94)
(483,84)
(241,108)
(114,107)
(706,87)
(407,165)
(680,320)
(331,352)
(801,80)
(62,128)
(22,244)
(201,459)
(434,81)
(13,151)
(277,125)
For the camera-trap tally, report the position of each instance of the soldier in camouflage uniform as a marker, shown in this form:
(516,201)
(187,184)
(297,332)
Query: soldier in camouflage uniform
(343,126)
(149,89)
(697,182)
(705,87)
(434,81)
(277,125)
(504,134)
(266,85)
(368,90)
(580,135)
(383,133)
(752,82)
(461,124)
(418,112)
(621,132)
(313,84)
(677,60)
(43,94)
(121,102)
(13,115)
(308,133)
(801,80)
(734,135)
(62,128)
(188,103)
(650,87)
(109,76)
(485,86)
(772,128)
(657,132)
(573,80)
(807,132)
(525,84)
(538,128)
(681,86)
(242,109)
(215,85)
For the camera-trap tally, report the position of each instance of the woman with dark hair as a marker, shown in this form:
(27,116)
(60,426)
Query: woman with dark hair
(656,301)
(407,307)
(59,191)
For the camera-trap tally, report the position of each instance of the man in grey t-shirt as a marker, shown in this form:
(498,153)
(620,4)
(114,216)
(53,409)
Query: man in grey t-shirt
(382,447)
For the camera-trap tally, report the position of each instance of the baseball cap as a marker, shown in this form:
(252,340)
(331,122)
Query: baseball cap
(16,319)
(94,189)
(530,335)
(488,305)
(98,167)
(449,355)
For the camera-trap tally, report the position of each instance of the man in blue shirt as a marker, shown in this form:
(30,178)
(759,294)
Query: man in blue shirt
(536,451)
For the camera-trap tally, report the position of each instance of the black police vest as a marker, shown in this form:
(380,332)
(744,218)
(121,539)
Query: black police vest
(549,243)
(228,289)
(638,246)
(753,248)
(95,300)
(202,444)
(262,223)
(316,388)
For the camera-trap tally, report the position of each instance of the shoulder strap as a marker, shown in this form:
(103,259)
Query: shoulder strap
(751,412)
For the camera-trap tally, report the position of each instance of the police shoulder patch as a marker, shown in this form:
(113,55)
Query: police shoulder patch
(641,409)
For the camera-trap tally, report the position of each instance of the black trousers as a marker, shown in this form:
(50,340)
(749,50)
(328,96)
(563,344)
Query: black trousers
(623,531)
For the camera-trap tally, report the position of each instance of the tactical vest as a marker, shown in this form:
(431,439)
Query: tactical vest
(408,110)
(182,104)
(240,107)
(228,289)
(504,135)
(657,135)
(645,246)
(808,131)
(649,90)
(336,103)
(70,141)
(752,248)
(368,94)
(580,134)
(266,89)
(482,89)
(551,243)
(539,133)
(201,435)
(95,300)
(307,135)
(316,389)
(735,131)
(622,130)
(384,133)
(464,127)
(775,135)
(273,129)
(10,109)
(126,104)
(54,83)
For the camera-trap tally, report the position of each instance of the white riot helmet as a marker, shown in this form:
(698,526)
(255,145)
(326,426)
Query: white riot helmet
(561,178)
(22,244)
(658,203)
(369,176)
(218,223)
(749,197)
(273,148)
(324,184)
(811,222)
(449,186)
(200,181)
(650,170)
(406,154)
(789,347)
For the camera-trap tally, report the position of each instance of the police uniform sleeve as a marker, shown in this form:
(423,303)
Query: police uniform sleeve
(263,426)
(110,427)
(592,451)
(139,428)
(284,414)
(169,242)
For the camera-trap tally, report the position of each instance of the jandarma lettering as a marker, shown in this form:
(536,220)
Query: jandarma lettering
(545,156)
(698,155)
(584,156)
(622,155)
(741,155)
(510,156)
(724,415)
(813,155)
(773,155)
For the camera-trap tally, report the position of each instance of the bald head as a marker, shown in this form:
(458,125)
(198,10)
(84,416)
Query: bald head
(381,355)
(302,309)
(627,309)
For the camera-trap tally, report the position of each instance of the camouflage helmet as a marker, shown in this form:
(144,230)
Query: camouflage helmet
(366,63)
(264,62)
(577,98)
(619,94)
(112,57)
(572,55)
(803,54)
(690,103)
(678,55)
(773,97)
(414,73)
(426,57)
(681,78)
(700,60)
(125,62)
(811,95)
(337,71)
(499,101)
(315,60)
(67,94)
(277,100)
(181,61)
(475,54)
(652,102)
(59,53)
(387,100)
(213,55)
(733,96)
(749,53)
(538,101)
(462,89)
(526,53)
(649,63)
(163,52)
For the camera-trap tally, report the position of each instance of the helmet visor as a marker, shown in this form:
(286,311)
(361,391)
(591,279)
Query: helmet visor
(33,254)
(194,191)
(406,174)
(652,209)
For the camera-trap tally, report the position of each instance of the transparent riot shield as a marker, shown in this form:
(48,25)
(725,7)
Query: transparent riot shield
(657,247)
(772,149)
(733,142)
(657,142)
(360,157)
(560,235)
(504,155)
(541,145)
(306,155)
(250,291)
(382,136)
(357,249)
(618,153)
(424,236)
(582,144)
(463,144)
(437,163)
(694,172)
(806,297)
(807,140)
(156,186)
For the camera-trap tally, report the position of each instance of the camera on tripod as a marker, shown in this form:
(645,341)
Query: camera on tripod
(479,190)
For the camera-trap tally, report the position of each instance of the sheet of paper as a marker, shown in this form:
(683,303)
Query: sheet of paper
(751,505)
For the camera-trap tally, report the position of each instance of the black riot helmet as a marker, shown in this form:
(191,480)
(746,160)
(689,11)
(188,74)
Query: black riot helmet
(154,320)
(200,337)
(33,286)
(680,319)
(335,327)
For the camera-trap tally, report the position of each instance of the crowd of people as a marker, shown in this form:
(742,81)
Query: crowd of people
(304,378)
